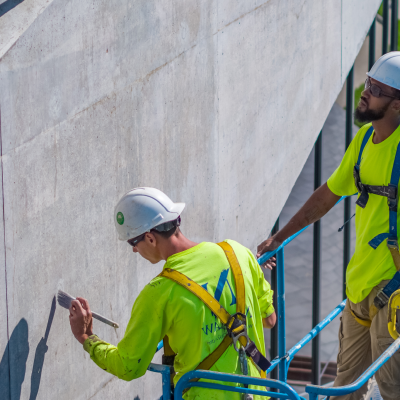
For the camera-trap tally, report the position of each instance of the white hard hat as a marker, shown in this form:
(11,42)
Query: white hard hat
(387,70)
(142,209)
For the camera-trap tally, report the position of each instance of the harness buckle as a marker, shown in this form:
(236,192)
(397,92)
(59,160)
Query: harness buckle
(357,180)
(381,299)
(364,196)
(392,243)
(237,327)
(392,197)
(392,191)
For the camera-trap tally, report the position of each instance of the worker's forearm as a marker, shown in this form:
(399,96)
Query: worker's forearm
(320,202)
(269,322)
(107,357)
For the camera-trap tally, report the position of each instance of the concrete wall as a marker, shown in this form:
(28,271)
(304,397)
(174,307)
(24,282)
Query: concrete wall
(20,16)
(217,103)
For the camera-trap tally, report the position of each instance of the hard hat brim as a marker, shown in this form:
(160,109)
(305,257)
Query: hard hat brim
(178,208)
(174,212)
(386,70)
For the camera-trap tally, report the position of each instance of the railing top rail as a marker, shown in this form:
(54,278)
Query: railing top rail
(316,330)
(160,346)
(343,390)
(184,382)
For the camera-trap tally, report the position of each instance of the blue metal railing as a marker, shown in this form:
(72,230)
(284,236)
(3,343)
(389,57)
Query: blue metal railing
(282,361)
(314,391)
(165,372)
(286,391)
(310,335)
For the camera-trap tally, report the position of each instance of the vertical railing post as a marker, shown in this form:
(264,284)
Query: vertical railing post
(385,26)
(372,45)
(395,26)
(166,384)
(274,330)
(349,136)
(280,267)
(315,362)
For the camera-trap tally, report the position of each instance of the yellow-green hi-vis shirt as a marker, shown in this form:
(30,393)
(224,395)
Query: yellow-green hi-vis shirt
(368,267)
(166,308)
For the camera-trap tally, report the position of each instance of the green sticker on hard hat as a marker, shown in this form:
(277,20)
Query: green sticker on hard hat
(120,218)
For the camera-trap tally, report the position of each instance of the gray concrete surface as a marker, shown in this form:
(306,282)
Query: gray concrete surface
(16,16)
(361,64)
(354,14)
(217,103)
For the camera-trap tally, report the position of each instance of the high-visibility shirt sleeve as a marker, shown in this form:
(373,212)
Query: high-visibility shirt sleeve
(265,294)
(341,181)
(131,358)
(263,289)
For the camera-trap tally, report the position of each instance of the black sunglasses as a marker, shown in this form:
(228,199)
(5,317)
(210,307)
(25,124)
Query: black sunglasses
(134,241)
(376,91)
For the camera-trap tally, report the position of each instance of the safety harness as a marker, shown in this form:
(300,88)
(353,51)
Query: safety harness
(235,324)
(391,192)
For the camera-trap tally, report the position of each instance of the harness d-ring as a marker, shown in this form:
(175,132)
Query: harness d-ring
(236,338)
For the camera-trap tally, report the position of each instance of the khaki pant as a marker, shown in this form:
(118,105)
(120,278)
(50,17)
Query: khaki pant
(359,346)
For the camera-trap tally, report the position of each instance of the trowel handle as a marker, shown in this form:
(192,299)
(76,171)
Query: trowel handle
(105,320)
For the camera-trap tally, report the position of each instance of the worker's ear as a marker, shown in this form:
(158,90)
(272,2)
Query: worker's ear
(151,239)
(396,105)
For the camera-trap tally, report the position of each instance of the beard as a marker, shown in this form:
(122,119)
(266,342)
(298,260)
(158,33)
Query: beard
(370,115)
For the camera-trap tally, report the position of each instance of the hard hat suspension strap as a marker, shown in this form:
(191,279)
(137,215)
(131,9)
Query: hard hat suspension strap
(167,226)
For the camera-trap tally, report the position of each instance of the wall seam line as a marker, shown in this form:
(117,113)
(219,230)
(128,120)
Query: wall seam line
(5,257)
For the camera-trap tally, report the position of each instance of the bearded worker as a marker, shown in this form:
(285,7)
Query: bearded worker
(371,167)
(175,305)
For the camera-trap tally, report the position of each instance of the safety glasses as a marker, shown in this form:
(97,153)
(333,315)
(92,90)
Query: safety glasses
(134,241)
(376,91)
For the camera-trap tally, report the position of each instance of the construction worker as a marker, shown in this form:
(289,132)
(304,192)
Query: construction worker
(371,166)
(194,336)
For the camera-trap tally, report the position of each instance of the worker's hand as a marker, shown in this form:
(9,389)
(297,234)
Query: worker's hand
(270,321)
(80,318)
(268,245)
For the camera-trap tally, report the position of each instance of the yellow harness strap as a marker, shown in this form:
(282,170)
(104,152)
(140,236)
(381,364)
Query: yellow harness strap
(214,305)
(362,322)
(238,275)
(396,257)
(198,291)
(373,310)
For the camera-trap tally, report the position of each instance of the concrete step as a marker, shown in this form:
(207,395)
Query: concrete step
(299,373)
